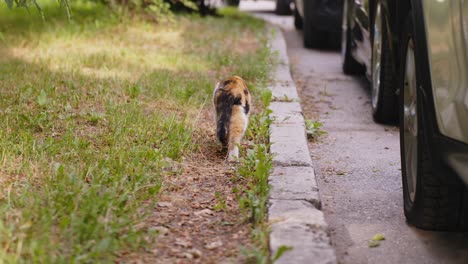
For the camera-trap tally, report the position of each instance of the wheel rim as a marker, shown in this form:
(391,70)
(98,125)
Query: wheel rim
(376,57)
(410,122)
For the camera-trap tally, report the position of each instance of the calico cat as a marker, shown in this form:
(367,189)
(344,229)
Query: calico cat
(232,102)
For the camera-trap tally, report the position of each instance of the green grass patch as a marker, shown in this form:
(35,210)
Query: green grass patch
(95,111)
(253,172)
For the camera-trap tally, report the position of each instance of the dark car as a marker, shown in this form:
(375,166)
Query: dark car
(414,55)
(320,21)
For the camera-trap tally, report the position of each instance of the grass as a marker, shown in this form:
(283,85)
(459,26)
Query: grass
(253,172)
(94,111)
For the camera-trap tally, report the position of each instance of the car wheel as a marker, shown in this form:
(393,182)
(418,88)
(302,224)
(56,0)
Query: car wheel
(383,98)
(350,65)
(432,194)
(232,2)
(283,7)
(313,38)
(297,19)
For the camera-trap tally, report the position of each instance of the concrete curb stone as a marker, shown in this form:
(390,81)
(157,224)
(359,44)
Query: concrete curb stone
(294,183)
(294,204)
(283,88)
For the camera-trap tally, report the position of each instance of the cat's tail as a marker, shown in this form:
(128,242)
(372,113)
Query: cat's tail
(225,102)
(222,128)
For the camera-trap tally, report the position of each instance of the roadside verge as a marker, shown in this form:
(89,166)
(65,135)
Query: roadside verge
(294,206)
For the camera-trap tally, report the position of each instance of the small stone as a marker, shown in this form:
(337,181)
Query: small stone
(195,253)
(186,255)
(204,212)
(183,243)
(164,204)
(213,245)
(163,231)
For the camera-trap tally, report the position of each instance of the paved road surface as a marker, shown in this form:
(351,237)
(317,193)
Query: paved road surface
(357,163)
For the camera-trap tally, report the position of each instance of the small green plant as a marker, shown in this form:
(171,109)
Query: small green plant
(284,98)
(314,129)
(253,171)
(221,204)
(281,250)
(255,168)
(324,92)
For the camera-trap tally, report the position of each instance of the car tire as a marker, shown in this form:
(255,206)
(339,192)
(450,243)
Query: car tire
(334,40)
(232,2)
(434,197)
(283,7)
(383,97)
(297,20)
(313,38)
(349,64)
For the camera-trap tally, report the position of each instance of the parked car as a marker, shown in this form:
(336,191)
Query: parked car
(320,21)
(414,55)
(433,70)
(369,41)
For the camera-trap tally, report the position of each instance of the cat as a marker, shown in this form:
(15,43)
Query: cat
(232,102)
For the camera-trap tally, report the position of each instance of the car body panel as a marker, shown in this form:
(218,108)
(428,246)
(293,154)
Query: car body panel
(447,41)
(325,14)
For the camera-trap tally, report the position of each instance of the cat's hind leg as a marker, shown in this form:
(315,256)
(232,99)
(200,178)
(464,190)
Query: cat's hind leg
(239,121)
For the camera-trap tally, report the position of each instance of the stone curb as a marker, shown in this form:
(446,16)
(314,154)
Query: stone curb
(294,211)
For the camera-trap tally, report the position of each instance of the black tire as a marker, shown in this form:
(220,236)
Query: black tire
(283,7)
(232,2)
(297,20)
(334,40)
(313,38)
(349,64)
(384,108)
(439,200)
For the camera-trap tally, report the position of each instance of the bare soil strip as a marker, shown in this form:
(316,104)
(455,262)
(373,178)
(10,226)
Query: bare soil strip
(197,214)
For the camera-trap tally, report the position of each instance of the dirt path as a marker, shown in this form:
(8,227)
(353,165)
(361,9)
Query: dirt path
(197,213)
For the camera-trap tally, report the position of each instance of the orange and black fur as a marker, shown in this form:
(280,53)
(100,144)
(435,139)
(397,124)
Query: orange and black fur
(233,104)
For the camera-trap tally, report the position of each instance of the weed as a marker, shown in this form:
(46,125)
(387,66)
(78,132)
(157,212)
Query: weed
(324,92)
(221,204)
(253,170)
(284,98)
(314,129)
(280,252)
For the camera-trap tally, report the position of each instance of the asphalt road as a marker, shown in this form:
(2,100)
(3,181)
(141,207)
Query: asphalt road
(357,163)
